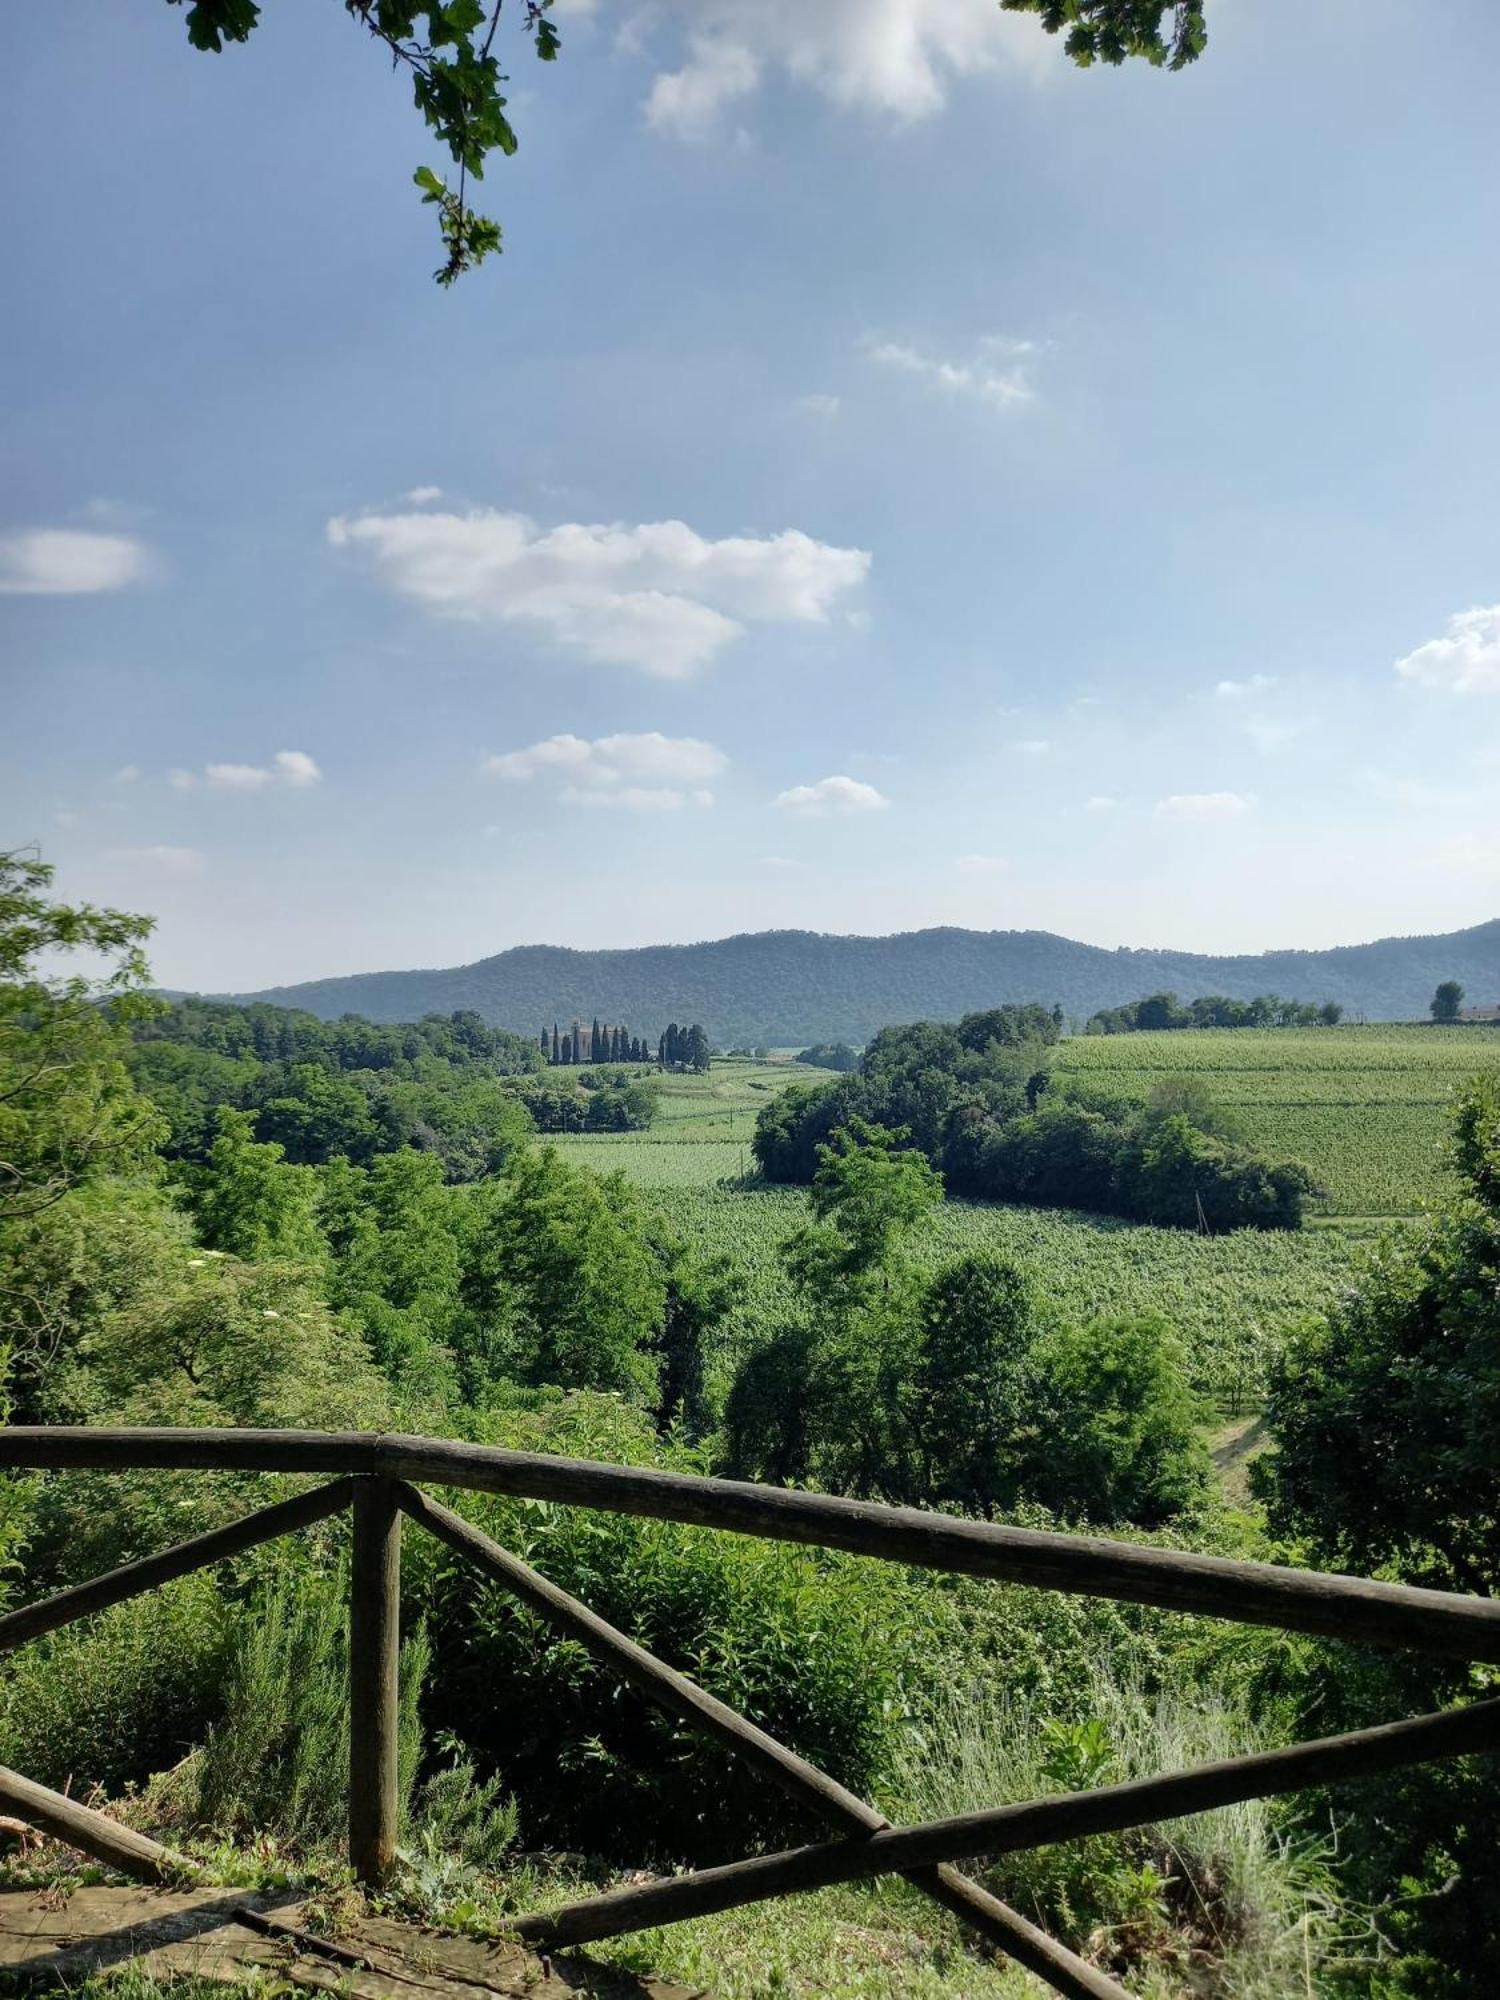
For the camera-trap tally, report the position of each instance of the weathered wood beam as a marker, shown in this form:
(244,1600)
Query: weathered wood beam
(1332,1760)
(374,1655)
(679,1696)
(92,1832)
(80,1600)
(1339,1607)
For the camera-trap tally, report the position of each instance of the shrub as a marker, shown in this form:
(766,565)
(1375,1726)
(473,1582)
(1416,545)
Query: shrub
(278,1758)
(120,1695)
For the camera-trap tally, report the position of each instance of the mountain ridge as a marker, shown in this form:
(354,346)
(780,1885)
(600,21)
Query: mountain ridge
(785,986)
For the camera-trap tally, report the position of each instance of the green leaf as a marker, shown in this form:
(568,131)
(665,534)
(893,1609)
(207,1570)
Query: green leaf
(431,185)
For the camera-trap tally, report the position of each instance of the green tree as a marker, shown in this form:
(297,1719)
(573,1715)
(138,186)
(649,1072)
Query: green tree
(455,80)
(247,1201)
(856,1287)
(978,1399)
(1119,1436)
(1111,31)
(69,1113)
(1447,1001)
(559,1255)
(395,1240)
(317,1115)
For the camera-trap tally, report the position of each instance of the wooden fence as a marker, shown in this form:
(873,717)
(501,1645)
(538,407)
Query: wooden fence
(374,1477)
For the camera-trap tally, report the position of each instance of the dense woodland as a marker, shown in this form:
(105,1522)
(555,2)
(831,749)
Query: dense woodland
(976,1099)
(785,989)
(163,1258)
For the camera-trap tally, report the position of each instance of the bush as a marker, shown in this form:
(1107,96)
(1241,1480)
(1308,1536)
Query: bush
(824,1651)
(278,1759)
(120,1695)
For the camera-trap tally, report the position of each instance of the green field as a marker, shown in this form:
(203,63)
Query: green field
(1367,1108)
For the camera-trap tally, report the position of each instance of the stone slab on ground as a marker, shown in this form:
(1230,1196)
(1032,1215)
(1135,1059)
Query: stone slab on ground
(58,1937)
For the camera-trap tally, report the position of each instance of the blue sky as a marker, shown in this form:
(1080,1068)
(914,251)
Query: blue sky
(890,478)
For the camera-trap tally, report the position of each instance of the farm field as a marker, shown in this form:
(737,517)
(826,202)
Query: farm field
(1230,1298)
(1365,1107)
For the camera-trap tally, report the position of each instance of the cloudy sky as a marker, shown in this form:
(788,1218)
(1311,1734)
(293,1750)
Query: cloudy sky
(890,479)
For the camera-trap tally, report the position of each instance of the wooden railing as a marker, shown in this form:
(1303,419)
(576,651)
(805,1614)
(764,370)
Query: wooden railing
(374,1477)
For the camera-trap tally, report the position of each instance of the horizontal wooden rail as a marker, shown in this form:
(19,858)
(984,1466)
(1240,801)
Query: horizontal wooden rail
(131,1579)
(674,1692)
(1339,1607)
(92,1832)
(1332,1760)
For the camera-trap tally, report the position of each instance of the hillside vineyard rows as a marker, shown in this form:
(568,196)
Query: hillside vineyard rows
(1367,1108)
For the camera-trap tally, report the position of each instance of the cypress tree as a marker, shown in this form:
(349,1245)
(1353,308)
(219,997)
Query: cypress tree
(594,1039)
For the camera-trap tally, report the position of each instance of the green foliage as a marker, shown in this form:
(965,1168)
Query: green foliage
(1386,1418)
(247,1201)
(561,1255)
(120,1695)
(1162,1011)
(1386,1413)
(1111,31)
(349,1089)
(277,1759)
(823,1651)
(1120,1435)
(970,1097)
(68,1112)
(830,1055)
(1447,1001)
(455,83)
(1094,1422)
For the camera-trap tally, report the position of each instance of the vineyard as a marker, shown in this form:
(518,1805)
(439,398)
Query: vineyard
(1365,1107)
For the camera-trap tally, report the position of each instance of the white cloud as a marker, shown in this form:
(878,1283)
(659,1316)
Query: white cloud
(1234,690)
(687,102)
(287,767)
(898,57)
(1204,807)
(831,795)
(128,774)
(174,861)
(644,773)
(1466,660)
(1032,746)
(1100,802)
(423,496)
(657,596)
(997,373)
(817,405)
(237,777)
(67,562)
(981,864)
(295,767)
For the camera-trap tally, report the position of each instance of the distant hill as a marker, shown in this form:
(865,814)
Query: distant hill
(786,987)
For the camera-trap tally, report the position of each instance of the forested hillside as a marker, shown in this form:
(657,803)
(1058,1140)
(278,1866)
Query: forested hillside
(787,988)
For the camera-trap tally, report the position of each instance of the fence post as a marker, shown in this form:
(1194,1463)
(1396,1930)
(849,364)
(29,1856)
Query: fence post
(374,1651)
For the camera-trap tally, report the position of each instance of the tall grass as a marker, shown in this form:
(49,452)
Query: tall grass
(1237,1903)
